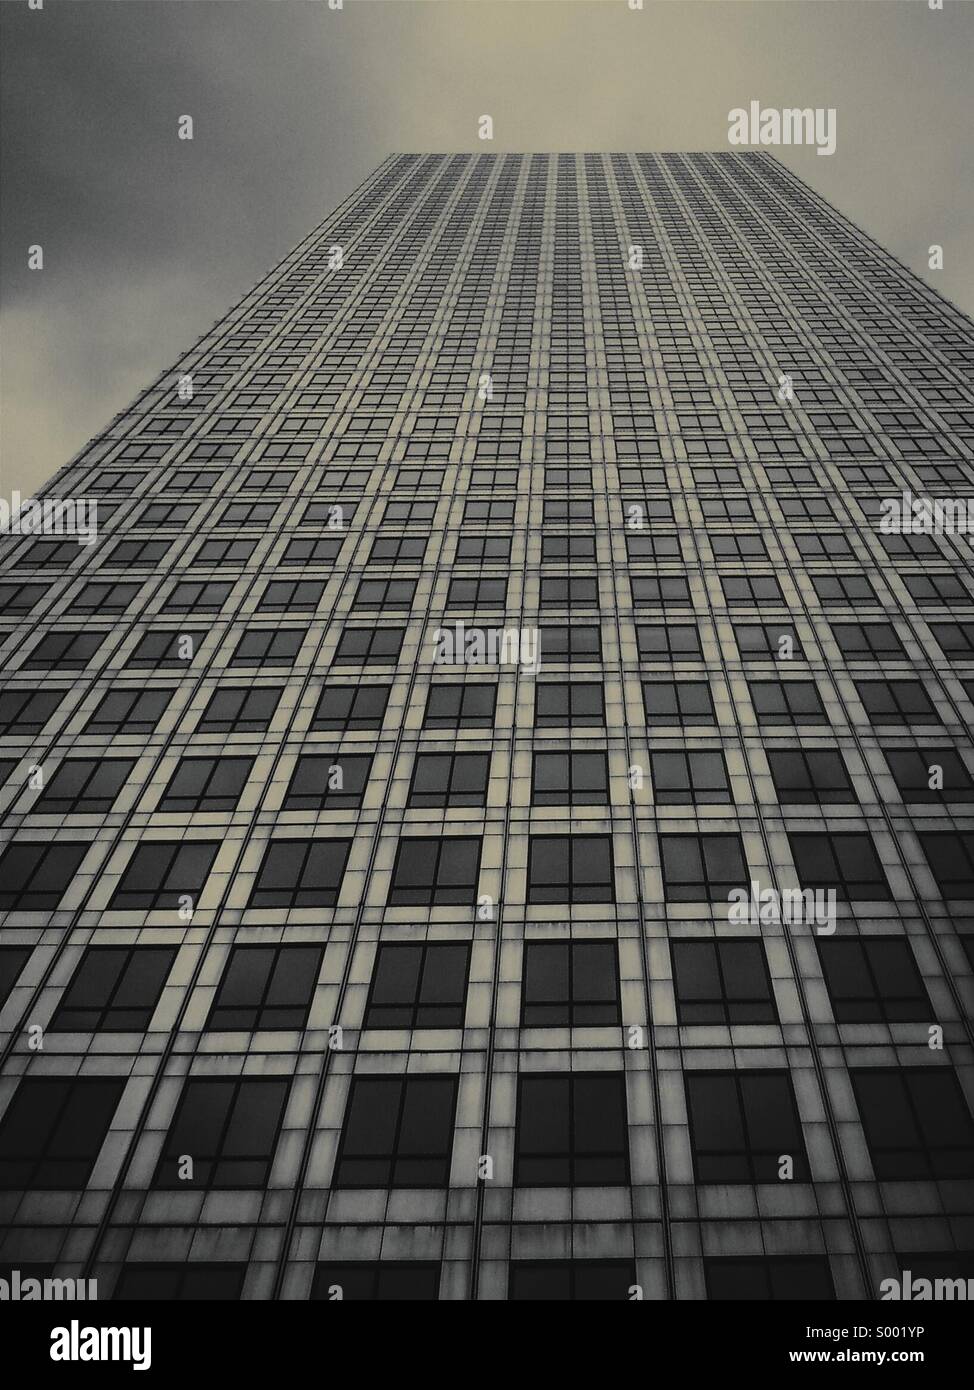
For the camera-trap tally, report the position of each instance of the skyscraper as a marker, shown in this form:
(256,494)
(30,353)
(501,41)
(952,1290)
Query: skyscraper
(490,815)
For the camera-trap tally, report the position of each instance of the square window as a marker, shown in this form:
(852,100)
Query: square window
(570,984)
(422,985)
(742,1124)
(570,869)
(722,981)
(571,1130)
(398,1132)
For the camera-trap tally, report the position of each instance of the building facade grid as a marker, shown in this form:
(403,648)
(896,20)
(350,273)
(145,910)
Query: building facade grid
(472,1019)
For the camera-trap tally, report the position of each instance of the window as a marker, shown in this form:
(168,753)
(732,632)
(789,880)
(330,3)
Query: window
(24,713)
(570,869)
(398,1132)
(637,511)
(253,513)
(477,593)
(937,588)
(690,779)
(863,641)
(384,1280)
(88,785)
(493,477)
(12,961)
(843,588)
(68,651)
(183,1283)
(138,552)
(751,589)
(769,1278)
(494,509)
(431,872)
(568,477)
(787,702)
(723,981)
(34,876)
(115,989)
(652,548)
(570,1280)
(567,549)
(913,770)
(726,509)
(418,986)
(106,598)
(742,1123)
(369,646)
(240,709)
(873,979)
(951,860)
(570,984)
(228,1128)
(194,596)
(702,868)
(767,641)
(896,702)
(571,1130)
(162,872)
(168,513)
(483,548)
(300,873)
(569,778)
(420,513)
(169,649)
(291,595)
(55,553)
(660,590)
(739,547)
(337,514)
(846,863)
(391,550)
(313,550)
(579,642)
(53,1130)
(678,702)
(347,707)
(810,776)
(266,987)
(569,591)
(206,784)
(460,705)
(569,703)
(266,646)
(385,593)
(327,781)
(916,1122)
(129,712)
(449,779)
(956,639)
(566,510)
(419,477)
(673,642)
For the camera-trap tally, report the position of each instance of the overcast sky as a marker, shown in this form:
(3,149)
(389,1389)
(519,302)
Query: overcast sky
(148,239)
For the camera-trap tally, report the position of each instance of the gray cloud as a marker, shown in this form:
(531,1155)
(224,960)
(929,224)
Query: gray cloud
(149,239)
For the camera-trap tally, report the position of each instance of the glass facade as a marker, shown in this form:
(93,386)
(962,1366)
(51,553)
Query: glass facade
(491,619)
